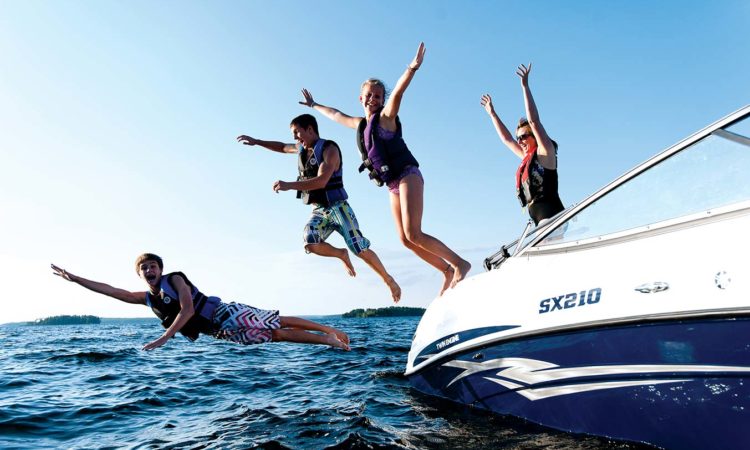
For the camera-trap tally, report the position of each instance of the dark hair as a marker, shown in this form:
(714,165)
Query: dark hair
(304,121)
(148,257)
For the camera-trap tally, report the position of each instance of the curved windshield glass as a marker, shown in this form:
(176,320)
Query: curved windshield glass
(710,173)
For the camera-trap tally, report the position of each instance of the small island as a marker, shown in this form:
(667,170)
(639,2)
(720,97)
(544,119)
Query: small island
(391,311)
(67,320)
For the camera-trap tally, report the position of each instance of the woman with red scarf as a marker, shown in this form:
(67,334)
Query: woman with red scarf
(536,177)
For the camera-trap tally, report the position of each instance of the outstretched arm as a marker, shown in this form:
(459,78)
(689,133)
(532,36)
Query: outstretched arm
(276,146)
(502,131)
(332,113)
(546,149)
(186,312)
(390,110)
(101,288)
(331,161)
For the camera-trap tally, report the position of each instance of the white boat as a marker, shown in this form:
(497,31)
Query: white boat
(625,316)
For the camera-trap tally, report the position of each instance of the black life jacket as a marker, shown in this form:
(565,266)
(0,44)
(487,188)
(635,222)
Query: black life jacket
(308,168)
(383,159)
(166,306)
(534,182)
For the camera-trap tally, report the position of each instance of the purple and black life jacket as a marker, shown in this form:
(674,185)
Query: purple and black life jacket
(384,159)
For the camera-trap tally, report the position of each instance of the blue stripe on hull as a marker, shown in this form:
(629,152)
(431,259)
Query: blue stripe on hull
(673,384)
(446,342)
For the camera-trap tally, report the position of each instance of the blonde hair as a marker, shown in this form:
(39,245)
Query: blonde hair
(375,82)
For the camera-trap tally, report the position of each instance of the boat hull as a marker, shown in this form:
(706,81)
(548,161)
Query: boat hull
(663,383)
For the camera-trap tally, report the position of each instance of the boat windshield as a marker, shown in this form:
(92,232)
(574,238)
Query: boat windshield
(709,174)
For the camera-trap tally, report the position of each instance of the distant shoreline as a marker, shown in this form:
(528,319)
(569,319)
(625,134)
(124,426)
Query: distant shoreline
(103,321)
(391,311)
(66,320)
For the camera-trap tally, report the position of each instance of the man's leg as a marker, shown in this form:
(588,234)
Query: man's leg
(371,258)
(292,327)
(305,337)
(304,324)
(317,230)
(328,250)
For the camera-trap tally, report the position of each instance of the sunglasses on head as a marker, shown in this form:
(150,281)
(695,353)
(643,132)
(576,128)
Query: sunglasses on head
(524,136)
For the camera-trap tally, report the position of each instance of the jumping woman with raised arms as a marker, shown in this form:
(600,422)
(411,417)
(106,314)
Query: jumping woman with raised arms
(389,162)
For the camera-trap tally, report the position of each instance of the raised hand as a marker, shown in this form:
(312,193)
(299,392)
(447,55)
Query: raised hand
(62,273)
(309,102)
(247,140)
(523,72)
(486,102)
(418,58)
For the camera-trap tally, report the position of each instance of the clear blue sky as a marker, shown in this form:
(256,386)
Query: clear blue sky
(118,123)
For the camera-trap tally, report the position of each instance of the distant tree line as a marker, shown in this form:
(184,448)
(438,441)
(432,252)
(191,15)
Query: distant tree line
(391,311)
(67,320)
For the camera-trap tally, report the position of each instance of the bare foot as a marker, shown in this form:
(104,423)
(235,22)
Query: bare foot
(395,289)
(448,274)
(460,273)
(334,341)
(347,263)
(339,334)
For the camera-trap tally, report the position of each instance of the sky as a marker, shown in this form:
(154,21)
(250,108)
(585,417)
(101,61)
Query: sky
(118,122)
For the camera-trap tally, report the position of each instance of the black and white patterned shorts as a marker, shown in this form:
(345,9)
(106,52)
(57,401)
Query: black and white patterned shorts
(245,324)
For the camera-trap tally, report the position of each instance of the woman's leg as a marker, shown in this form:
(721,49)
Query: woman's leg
(435,261)
(431,259)
(412,205)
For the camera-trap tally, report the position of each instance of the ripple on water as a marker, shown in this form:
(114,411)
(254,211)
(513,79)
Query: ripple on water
(93,356)
(15,383)
(390,375)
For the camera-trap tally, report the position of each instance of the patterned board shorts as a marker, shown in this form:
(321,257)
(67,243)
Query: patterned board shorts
(337,217)
(244,324)
(393,185)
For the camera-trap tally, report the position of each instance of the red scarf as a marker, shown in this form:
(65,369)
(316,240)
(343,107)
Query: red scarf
(522,174)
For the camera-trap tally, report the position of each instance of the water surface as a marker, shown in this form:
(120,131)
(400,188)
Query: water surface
(90,386)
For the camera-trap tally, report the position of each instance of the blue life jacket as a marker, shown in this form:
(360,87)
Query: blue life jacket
(308,168)
(383,159)
(166,306)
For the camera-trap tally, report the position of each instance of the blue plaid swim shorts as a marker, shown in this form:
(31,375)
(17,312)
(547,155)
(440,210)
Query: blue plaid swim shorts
(337,217)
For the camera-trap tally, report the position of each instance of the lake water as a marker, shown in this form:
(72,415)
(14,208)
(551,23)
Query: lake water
(91,386)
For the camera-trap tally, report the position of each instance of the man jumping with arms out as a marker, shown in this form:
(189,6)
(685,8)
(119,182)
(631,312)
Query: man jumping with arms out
(182,308)
(320,184)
